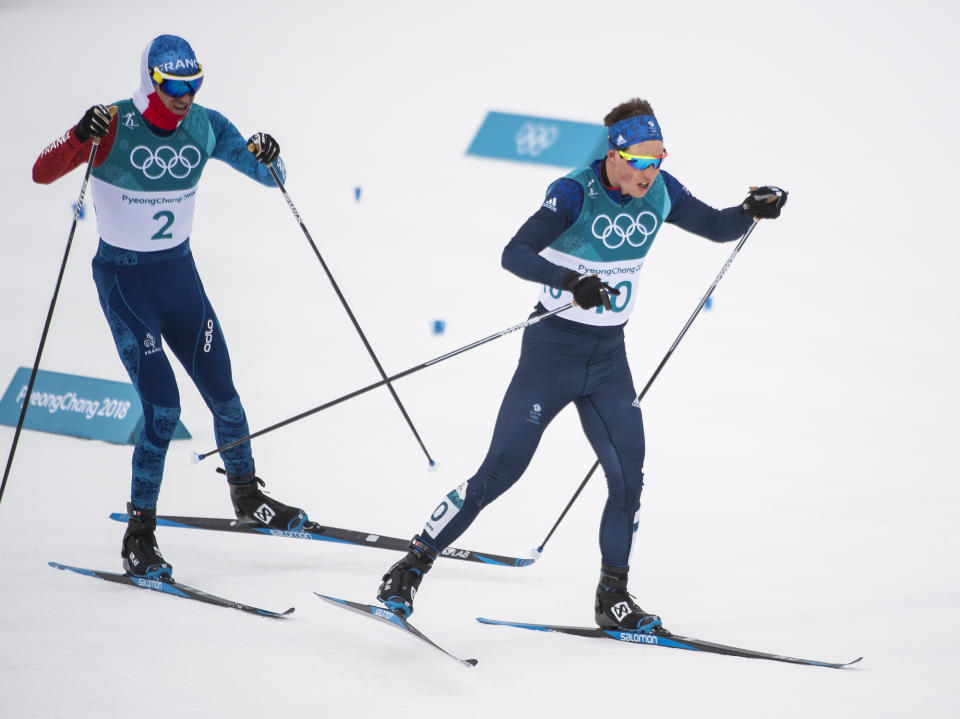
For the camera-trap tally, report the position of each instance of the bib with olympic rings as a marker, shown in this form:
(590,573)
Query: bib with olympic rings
(609,240)
(145,191)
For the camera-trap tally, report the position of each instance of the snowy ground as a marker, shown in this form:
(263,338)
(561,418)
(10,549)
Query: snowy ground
(802,459)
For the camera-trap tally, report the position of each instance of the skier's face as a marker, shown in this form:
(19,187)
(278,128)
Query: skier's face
(176,105)
(630,180)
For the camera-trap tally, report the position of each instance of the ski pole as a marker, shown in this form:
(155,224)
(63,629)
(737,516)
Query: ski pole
(343,301)
(703,301)
(53,302)
(532,320)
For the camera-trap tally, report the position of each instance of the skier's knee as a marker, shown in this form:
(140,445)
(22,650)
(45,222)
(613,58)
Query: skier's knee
(159,423)
(230,411)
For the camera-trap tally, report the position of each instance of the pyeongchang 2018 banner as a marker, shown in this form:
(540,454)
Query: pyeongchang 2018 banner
(77,406)
(539,139)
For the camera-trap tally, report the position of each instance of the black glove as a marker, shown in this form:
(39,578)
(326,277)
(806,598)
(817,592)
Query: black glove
(264,148)
(588,290)
(765,202)
(94,123)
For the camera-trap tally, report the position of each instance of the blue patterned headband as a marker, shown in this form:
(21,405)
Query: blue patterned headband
(632,130)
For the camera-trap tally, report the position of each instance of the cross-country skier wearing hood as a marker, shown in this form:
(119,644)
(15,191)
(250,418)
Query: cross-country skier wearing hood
(152,151)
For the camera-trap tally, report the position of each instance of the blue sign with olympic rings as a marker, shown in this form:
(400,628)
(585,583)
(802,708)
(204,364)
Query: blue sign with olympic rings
(539,139)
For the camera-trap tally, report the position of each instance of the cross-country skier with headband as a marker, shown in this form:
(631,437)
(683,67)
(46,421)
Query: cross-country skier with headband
(152,151)
(586,244)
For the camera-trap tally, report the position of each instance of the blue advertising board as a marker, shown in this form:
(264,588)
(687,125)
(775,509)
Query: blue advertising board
(77,406)
(545,140)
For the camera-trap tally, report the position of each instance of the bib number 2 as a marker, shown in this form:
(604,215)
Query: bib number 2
(166,217)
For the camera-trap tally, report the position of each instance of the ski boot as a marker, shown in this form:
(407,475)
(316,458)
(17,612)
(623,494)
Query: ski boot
(400,583)
(141,555)
(254,507)
(615,608)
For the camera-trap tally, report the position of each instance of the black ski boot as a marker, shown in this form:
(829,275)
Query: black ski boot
(401,581)
(615,608)
(141,555)
(254,507)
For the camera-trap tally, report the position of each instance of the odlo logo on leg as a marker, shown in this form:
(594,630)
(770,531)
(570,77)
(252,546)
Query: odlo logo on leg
(208,336)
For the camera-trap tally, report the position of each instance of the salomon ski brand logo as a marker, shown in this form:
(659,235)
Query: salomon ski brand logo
(620,610)
(208,336)
(154,164)
(638,638)
(264,513)
(288,533)
(624,227)
(148,583)
(534,137)
(384,614)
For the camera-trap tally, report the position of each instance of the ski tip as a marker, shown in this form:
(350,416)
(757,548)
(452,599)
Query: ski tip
(470,662)
(55,565)
(332,600)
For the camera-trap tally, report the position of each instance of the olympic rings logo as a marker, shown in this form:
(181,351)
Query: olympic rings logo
(534,137)
(624,226)
(154,164)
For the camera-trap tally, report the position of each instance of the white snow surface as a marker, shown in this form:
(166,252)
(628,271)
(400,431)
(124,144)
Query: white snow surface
(802,462)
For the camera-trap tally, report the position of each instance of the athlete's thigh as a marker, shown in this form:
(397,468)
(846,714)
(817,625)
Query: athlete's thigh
(136,330)
(193,333)
(540,388)
(613,422)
